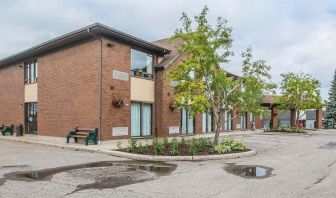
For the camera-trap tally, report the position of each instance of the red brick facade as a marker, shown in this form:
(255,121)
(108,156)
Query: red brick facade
(68,89)
(11,94)
(76,87)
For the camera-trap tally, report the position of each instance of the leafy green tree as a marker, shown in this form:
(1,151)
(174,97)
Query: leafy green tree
(205,48)
(331,105)
(299,92)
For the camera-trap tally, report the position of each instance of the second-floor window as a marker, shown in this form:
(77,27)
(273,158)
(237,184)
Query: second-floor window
(31,72)
(142,64)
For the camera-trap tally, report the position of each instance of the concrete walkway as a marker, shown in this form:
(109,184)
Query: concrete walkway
(105,146)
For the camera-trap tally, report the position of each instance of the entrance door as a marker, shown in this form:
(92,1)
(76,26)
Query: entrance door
(31,117)
(243,121)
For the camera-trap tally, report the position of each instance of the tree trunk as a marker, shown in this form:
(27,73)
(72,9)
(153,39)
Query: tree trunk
(218,117)
(297,120)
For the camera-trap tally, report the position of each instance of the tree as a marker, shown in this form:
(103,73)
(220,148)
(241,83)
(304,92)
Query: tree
(331,105)
(205,48)
(299,92)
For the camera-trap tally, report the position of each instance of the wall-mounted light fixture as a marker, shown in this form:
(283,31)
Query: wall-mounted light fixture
(109,45)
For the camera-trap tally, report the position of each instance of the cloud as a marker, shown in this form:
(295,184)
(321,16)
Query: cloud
(289,35)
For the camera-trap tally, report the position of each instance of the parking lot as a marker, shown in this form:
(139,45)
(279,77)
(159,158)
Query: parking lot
(295,166)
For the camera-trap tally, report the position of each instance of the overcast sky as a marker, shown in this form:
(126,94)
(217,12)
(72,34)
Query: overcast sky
(290,35)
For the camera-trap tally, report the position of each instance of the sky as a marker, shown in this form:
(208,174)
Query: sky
(291,36)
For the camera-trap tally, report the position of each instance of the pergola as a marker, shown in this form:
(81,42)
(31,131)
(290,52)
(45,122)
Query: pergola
(270,102)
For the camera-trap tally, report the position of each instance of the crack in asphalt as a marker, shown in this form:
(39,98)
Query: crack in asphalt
(318,181)
(331,164)
(321,179)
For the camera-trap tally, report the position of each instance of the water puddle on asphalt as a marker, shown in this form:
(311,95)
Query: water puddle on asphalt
(106,174)
(249,171)
(329,145)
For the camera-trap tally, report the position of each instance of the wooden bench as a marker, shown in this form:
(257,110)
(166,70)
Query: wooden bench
(83,133)
(6,129)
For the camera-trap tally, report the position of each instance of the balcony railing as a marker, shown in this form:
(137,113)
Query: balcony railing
(141,74)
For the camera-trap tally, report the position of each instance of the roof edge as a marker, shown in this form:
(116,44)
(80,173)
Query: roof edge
(40,48)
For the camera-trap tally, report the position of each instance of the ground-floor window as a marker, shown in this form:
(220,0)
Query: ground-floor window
(187,122)
(207,122)
(228,121)
(141,119)
(31,118)
(252,118)
(243,121)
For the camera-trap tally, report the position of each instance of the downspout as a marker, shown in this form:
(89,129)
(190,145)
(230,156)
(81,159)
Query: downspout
(100,83)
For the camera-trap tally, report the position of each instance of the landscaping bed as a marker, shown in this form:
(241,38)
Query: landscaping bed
(200,147)
(287,129)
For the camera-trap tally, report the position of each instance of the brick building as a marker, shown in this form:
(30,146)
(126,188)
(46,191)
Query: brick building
(72,80)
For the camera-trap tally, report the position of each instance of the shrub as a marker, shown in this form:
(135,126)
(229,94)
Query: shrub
(235,145)
(165,142)
(192,147)
(174,147)
(222,148)
(202,144)
(238,146)
(132,144)
(142,148)
(158,147)
(285,128)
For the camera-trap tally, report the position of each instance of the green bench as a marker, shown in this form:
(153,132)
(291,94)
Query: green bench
(83,133)
(6,129)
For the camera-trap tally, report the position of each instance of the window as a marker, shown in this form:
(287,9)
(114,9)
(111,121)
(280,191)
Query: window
(141,119)
(31,72)
(251,117)
(187,122)
(228,121)
(142,64)
(207,122)
(243,121)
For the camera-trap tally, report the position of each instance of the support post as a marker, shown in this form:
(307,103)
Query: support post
(274,117)
(293,118)
(319,118)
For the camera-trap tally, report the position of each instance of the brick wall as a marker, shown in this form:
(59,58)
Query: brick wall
(117,57)
(12,94)
(165,117)
(68,89)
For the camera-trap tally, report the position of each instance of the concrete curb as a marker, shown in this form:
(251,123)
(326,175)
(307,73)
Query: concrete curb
(138,156)
(178,158)
(68,147)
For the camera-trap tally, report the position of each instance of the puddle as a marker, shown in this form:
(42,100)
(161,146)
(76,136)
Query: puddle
(249,171)
(329,145)
(106,174)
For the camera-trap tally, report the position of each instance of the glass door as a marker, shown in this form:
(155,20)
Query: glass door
(243,121)
(31,118)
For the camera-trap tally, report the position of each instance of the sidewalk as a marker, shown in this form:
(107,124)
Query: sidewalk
(105,146)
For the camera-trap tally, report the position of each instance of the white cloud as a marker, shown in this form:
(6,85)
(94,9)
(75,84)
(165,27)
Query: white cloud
(289,35)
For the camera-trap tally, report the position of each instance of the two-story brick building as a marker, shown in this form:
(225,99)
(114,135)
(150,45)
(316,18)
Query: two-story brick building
(72,80)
